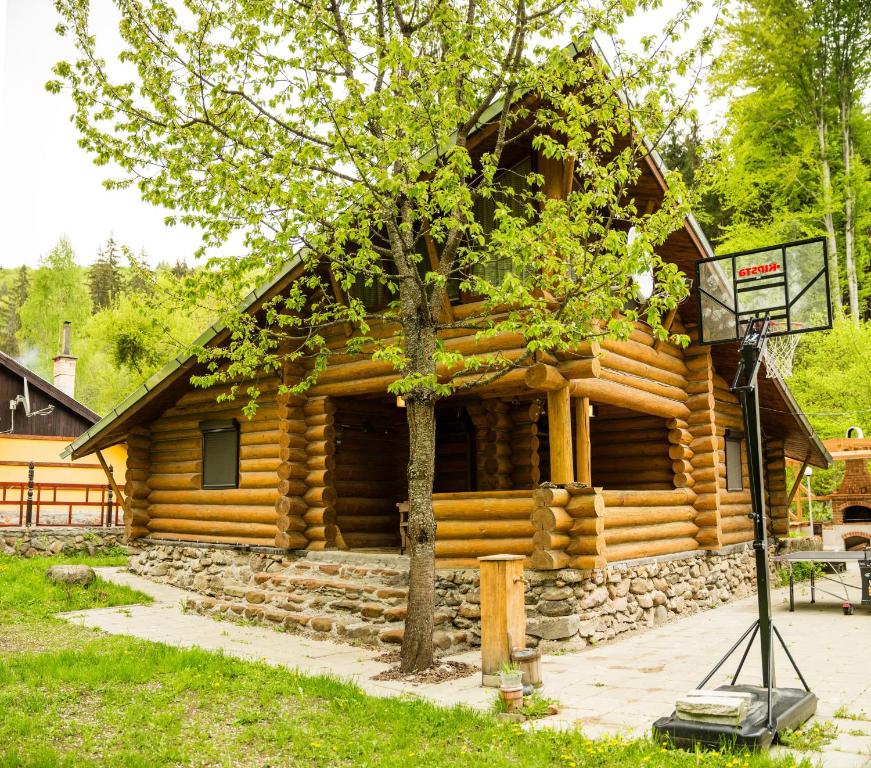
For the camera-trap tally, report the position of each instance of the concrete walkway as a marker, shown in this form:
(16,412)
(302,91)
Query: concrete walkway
(620,687)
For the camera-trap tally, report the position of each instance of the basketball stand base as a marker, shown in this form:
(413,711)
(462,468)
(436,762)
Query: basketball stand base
(790,707)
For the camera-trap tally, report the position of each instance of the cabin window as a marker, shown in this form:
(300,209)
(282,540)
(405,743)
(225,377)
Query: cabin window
(220,453)
(734,473)
(515,178)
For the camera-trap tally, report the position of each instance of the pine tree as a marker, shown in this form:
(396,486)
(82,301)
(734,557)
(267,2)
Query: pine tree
(10,304)
(105,281)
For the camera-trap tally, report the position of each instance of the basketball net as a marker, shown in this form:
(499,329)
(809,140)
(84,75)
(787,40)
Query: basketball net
(778,355)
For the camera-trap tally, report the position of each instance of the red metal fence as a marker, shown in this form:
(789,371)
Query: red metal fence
(85,505)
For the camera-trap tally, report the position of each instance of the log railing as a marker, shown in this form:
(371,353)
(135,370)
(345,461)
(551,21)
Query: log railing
(585,528)
(471,525)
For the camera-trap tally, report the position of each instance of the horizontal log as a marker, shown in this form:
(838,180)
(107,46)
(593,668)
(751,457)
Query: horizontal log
(627,397)
(484,509)
(586,505)
(210,527)
(649,533)
(706,500)
(646,385)
(246,496)
(290,505)
(482,495)
(482,547)
(361,540)
(290,540)
(550,496)
(586,545)
(731,524)
(633,550)
(550,540)
(616,362)
(642,353)
(644,498)
(316,516)
(137,518)
(466,529)
(176,467)
(587,562)
(290,524)
(549,560)
(320,496)
(223,512)
(373,523)
(270,465)
(261,437)
(551,519)
(618,517)
(321,533)
(735,537)
(605,476)
(360,505)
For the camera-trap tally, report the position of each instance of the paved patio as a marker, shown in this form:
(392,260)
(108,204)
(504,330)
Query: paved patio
(620,687)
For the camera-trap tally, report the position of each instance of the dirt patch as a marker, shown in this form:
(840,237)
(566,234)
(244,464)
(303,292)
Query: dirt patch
(440,672)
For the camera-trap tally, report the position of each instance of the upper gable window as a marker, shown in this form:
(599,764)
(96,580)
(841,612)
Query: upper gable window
(220,453)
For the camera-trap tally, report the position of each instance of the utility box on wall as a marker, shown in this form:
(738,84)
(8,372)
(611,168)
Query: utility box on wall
(503,612)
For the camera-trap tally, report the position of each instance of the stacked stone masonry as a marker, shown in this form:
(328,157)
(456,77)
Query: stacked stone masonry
(33,542)
(362,599)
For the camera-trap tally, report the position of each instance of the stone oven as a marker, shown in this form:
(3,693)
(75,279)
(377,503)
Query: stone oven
(851,502)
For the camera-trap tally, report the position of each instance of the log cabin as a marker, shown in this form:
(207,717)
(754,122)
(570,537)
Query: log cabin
(615,453)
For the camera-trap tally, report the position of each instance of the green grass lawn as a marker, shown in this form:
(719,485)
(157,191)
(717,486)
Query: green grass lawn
(71,697)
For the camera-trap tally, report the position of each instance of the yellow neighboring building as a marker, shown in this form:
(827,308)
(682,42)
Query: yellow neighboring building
(38,420)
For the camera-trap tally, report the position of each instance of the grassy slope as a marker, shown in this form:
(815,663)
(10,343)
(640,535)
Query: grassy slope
(76,697)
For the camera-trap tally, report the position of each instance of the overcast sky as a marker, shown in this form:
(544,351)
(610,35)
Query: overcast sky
(48,185)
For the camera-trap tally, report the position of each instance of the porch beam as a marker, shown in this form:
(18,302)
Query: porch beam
(544,377)
(624,396)
(559,419)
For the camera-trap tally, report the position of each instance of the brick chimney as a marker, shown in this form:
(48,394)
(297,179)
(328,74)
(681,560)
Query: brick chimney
(65,365)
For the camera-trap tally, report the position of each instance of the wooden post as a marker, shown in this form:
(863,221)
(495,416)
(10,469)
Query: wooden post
(559,419)
(582,447)
(503,613)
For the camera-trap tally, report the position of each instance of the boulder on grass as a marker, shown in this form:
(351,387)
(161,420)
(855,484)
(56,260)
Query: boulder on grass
(71,574)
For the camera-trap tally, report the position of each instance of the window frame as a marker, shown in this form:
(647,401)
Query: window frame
(212,427)
(735,438)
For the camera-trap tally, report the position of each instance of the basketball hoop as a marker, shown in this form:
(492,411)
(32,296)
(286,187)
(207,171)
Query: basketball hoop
(778,356)
(761,300)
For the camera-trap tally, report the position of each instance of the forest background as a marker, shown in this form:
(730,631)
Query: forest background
(790,159)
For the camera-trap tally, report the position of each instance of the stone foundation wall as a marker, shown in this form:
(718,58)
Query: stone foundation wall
(32,542)
(334,594)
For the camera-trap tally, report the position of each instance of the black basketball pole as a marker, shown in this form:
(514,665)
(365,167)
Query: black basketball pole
(751,352)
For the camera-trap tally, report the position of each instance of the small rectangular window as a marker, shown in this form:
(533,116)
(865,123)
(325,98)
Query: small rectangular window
(220,453)
(734,471)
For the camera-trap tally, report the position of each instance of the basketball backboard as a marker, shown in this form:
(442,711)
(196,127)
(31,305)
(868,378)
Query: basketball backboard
(787,282)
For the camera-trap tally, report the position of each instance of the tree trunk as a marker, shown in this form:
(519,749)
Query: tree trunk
(832,242)
(849,216)
(417,643)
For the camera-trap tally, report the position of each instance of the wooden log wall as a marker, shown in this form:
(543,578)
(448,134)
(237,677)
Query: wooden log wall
(180,509)
(569,528)
(630,451)
(493,427)
(775,486)
(525,458)
(701,446)
(454,451)
(291,468)
(471,525)
(317,439)
(370,478)
(136,515)
(735,506)
(647,523)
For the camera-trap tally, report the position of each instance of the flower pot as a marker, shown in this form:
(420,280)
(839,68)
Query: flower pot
(510,681)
